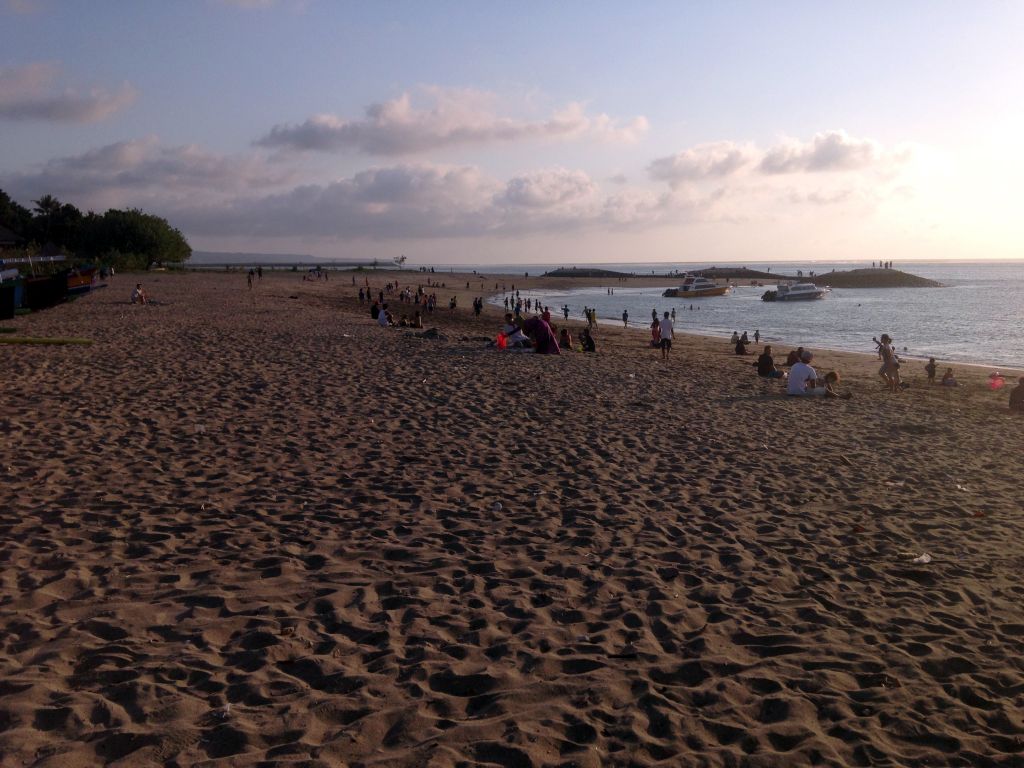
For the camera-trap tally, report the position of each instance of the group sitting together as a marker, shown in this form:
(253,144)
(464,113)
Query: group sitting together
(385,319)
(803,379)
(538,334)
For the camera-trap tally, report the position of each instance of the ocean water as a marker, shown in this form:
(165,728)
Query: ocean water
(977,317)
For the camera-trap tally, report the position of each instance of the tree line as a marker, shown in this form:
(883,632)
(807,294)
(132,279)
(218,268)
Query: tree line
(124,239)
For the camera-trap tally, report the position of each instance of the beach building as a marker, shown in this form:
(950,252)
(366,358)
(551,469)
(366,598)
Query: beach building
(8,239)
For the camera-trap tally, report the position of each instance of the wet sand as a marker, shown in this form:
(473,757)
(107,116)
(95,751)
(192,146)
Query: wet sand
(254,528)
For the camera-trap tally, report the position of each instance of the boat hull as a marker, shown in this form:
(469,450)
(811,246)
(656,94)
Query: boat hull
(803,297)
(81,280)
(699,293)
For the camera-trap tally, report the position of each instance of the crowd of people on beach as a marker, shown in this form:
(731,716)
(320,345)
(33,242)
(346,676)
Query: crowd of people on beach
(528,326)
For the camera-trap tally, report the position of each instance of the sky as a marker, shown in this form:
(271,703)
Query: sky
(529,132)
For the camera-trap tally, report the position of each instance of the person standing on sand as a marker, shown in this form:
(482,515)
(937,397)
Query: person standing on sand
(890,370)
(654,314)
(565,311)
(625,318)
(757,337)
(930,370)
(673,315)
(666,332)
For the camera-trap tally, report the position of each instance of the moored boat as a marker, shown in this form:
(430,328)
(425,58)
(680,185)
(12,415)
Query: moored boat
(80,280)
(795,292)
(696,287)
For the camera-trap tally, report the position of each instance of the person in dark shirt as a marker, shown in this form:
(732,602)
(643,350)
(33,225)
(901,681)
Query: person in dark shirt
(930,370)
(1017,396)
(741,347)
(766,365)
(587,341)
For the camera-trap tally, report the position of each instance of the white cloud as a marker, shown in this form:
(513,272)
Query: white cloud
(432,201)
(704,161)
(30,93)
(117,174)
(546,189)
(826,151)
(452,117)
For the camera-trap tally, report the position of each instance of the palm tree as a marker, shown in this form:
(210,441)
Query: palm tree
(47,206)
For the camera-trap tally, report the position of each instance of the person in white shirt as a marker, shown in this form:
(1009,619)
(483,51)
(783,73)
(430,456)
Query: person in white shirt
(803,379)
(666,334)
(515,335)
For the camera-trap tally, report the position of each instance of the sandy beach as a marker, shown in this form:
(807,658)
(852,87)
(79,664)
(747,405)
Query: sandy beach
(254,528)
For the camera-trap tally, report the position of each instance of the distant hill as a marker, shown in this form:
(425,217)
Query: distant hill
(873,278)
(224,257)
(850,278)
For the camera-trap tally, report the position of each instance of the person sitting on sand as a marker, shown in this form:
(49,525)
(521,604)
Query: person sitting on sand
(794,356)
(1017,396)
(831,386)
(384,318)
(587,341)
(948,379)
(403,321)
(803,379)
(544,341)
(516,338)
(139,295)
(930,370)
(766,365)
(735,338)
(565,339)
(741,347)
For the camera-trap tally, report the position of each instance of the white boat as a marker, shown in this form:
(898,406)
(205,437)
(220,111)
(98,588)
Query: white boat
(795,292)
(697,287)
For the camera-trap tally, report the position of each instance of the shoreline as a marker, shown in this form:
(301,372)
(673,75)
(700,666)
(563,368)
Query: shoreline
(493,299)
